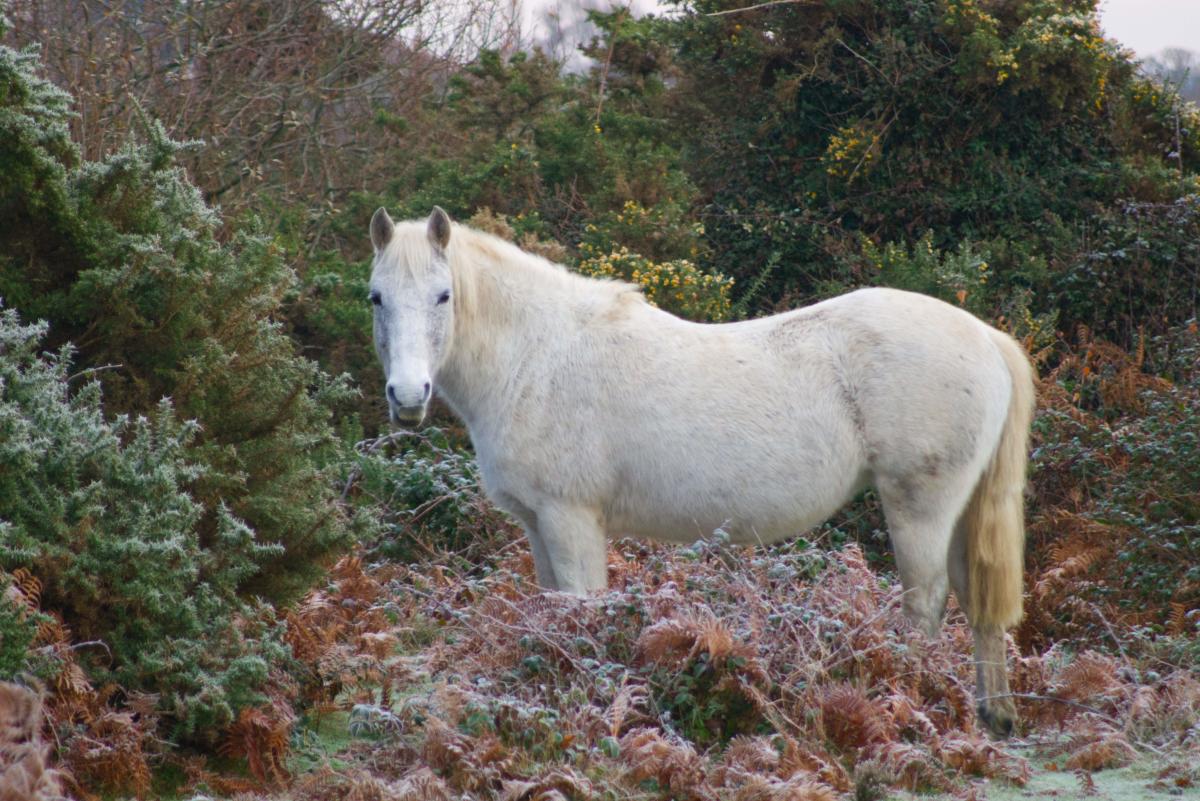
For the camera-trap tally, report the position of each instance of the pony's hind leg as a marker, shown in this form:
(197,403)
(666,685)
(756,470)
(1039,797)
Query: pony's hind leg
(923,575)
(930,545)
(921,517)
(994,703)
(574,548)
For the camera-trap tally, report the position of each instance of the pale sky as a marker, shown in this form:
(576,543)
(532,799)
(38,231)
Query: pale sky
(1149,26)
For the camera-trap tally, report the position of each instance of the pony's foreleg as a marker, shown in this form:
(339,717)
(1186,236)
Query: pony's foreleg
(574,546)
(541,559)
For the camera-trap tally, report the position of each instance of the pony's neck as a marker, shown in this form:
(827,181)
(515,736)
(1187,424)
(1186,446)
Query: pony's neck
(510,306)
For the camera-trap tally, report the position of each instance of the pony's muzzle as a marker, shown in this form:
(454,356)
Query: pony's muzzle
(401,406)
(407,416)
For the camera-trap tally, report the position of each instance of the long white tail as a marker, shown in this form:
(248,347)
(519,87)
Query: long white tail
(995,517)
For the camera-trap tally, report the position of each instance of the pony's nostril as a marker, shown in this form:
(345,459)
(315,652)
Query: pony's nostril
(401,394)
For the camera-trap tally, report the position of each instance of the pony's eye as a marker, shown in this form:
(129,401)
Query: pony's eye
(442,298)
(376,298)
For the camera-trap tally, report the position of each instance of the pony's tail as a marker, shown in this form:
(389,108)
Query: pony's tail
(995,517)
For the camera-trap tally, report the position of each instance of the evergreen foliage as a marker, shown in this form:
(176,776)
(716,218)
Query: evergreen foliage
(1014,127)
(122,258)
(98,510)
(147,533)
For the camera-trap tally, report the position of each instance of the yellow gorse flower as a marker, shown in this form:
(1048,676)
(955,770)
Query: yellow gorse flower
(678,286)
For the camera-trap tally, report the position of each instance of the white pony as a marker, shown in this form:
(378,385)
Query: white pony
(595,415)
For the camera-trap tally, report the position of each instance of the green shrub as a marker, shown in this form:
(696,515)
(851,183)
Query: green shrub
(1141,271)
(18,626)
(806,127)
(98,511)
(427,496)
(963,276)
(123,259)
(705,700)
(678,286)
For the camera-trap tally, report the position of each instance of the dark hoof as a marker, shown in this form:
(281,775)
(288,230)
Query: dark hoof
(999,719)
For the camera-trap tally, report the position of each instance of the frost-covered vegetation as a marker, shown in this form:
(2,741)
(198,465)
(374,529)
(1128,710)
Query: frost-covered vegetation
(223,575)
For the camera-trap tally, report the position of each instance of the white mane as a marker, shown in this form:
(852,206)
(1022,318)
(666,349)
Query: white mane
(482,264)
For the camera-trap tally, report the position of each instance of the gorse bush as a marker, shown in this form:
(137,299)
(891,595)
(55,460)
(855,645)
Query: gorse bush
(98,511)
(678,286)
(963,276)
(153,525)
(1006,125)
(18,626)
(121,258)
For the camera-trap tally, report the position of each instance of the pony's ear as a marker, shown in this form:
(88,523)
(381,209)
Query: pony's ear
(382,229)
(438,230)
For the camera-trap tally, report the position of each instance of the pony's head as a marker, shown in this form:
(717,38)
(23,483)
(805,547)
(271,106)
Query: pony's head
(414,314)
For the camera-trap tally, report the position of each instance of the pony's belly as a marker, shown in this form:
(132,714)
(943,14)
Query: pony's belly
(758,492)
(742,532)
(757,520)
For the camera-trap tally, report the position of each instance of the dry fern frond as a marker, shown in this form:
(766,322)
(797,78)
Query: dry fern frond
(1087,785)
(976,756)
(25,589)
(195,768)
(752,754)
(1109,751)
(1181,691)
(629,698)
(800,761)
(715,639)
(422,784)
(24,772)
(558,785)
(260,735)
(669,642)
(1167,712)
(325,784)
(467,763)
(904,765)
(312,627)
(906,716)
(675,766)
(851,720)
(1182,619)
(1075,555)
(752,787)
(1092,677)
(110,756)
(686,636)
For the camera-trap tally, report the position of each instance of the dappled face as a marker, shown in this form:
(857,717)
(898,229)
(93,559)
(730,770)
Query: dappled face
(411,297)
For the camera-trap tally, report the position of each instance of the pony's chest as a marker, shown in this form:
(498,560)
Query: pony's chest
(508,481)
(523,474)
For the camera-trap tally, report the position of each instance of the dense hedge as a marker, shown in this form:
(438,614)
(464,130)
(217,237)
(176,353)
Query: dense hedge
(785,145)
